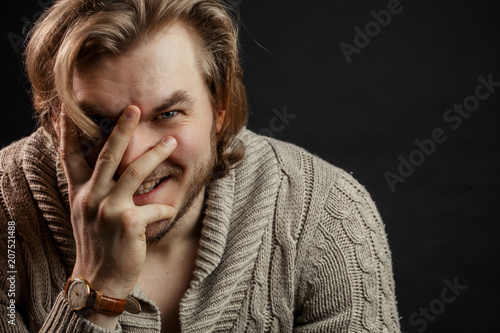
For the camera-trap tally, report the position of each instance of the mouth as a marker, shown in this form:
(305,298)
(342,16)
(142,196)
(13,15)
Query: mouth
(147,187)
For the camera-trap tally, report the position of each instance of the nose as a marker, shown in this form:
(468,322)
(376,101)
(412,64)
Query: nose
(142,140)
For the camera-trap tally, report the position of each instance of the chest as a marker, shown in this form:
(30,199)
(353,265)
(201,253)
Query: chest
(165,284)
(166,293)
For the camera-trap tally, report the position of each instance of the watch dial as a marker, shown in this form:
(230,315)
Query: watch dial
(77,294)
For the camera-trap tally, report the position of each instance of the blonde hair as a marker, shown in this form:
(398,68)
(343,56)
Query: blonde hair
(76,31)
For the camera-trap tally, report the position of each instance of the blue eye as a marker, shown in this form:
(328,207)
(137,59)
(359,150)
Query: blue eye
(167,115)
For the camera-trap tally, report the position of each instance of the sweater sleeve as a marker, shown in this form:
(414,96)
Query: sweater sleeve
(16,312)
(30,300)
(348,285)
(63,319)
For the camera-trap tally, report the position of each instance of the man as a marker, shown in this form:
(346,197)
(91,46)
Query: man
(143,205)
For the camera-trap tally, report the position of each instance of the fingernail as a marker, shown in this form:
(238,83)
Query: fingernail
(169,141)
(130,113)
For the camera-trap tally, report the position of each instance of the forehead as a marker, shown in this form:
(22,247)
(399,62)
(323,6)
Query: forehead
(148,72)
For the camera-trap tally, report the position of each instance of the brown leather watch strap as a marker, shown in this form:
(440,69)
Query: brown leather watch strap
(100,303)
(109,305)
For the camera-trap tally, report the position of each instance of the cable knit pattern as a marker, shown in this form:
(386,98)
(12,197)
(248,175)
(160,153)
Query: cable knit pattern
(289,243)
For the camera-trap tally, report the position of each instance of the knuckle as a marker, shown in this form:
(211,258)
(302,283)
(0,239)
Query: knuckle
(86,198)
(92,201)
(107,156)
(104,207)
(134,171)
(160,212)
(129,218)
(169,211)
(63,153)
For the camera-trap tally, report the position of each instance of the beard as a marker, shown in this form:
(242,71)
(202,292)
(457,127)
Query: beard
(202,176)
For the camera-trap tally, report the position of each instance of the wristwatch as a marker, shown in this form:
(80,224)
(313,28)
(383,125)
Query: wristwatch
(84,299)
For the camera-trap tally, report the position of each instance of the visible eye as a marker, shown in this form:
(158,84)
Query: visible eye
(167,115)
(106,125)
(95,119)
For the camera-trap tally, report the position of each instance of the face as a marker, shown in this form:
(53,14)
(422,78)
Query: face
(163,79)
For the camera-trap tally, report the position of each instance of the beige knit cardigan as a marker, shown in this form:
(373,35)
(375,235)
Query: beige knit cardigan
(289,243)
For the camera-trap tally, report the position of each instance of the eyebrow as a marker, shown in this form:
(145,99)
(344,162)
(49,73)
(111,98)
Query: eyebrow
(178,97)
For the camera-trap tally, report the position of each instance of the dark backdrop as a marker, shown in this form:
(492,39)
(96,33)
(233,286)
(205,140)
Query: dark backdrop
(361,102)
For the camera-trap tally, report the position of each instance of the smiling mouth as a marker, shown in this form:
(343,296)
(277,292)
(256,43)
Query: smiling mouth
(149,186)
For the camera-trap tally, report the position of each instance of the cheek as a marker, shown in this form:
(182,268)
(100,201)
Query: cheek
(191,147)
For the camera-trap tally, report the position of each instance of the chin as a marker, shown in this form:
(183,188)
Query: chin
(158,230)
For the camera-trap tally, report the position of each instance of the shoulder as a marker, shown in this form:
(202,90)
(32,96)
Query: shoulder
(298,165)
(317,193)
(17,164)
(11,155)
(33,147)
(332,226)
(12,177)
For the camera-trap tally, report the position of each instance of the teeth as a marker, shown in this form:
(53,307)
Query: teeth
(147,187)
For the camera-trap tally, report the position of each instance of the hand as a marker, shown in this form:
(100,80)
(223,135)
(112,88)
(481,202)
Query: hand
(109,229)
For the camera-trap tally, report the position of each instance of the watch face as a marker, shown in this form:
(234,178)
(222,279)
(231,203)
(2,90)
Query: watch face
(78,293)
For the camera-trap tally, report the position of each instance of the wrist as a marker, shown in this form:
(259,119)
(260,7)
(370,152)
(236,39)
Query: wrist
(107,285)
(85,299)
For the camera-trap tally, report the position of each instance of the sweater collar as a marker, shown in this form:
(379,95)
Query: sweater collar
(240,208)
(48,185)
(238,211)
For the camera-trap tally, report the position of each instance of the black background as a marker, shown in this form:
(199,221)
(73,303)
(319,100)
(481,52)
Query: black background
(361,116)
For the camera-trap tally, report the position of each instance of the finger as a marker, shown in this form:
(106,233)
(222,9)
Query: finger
(142,167)
(114,148)
(74,165)
(154,212)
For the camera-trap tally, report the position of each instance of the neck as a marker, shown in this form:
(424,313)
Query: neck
(186,231)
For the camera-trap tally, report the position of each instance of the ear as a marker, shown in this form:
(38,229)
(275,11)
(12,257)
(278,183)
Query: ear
(219,120)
